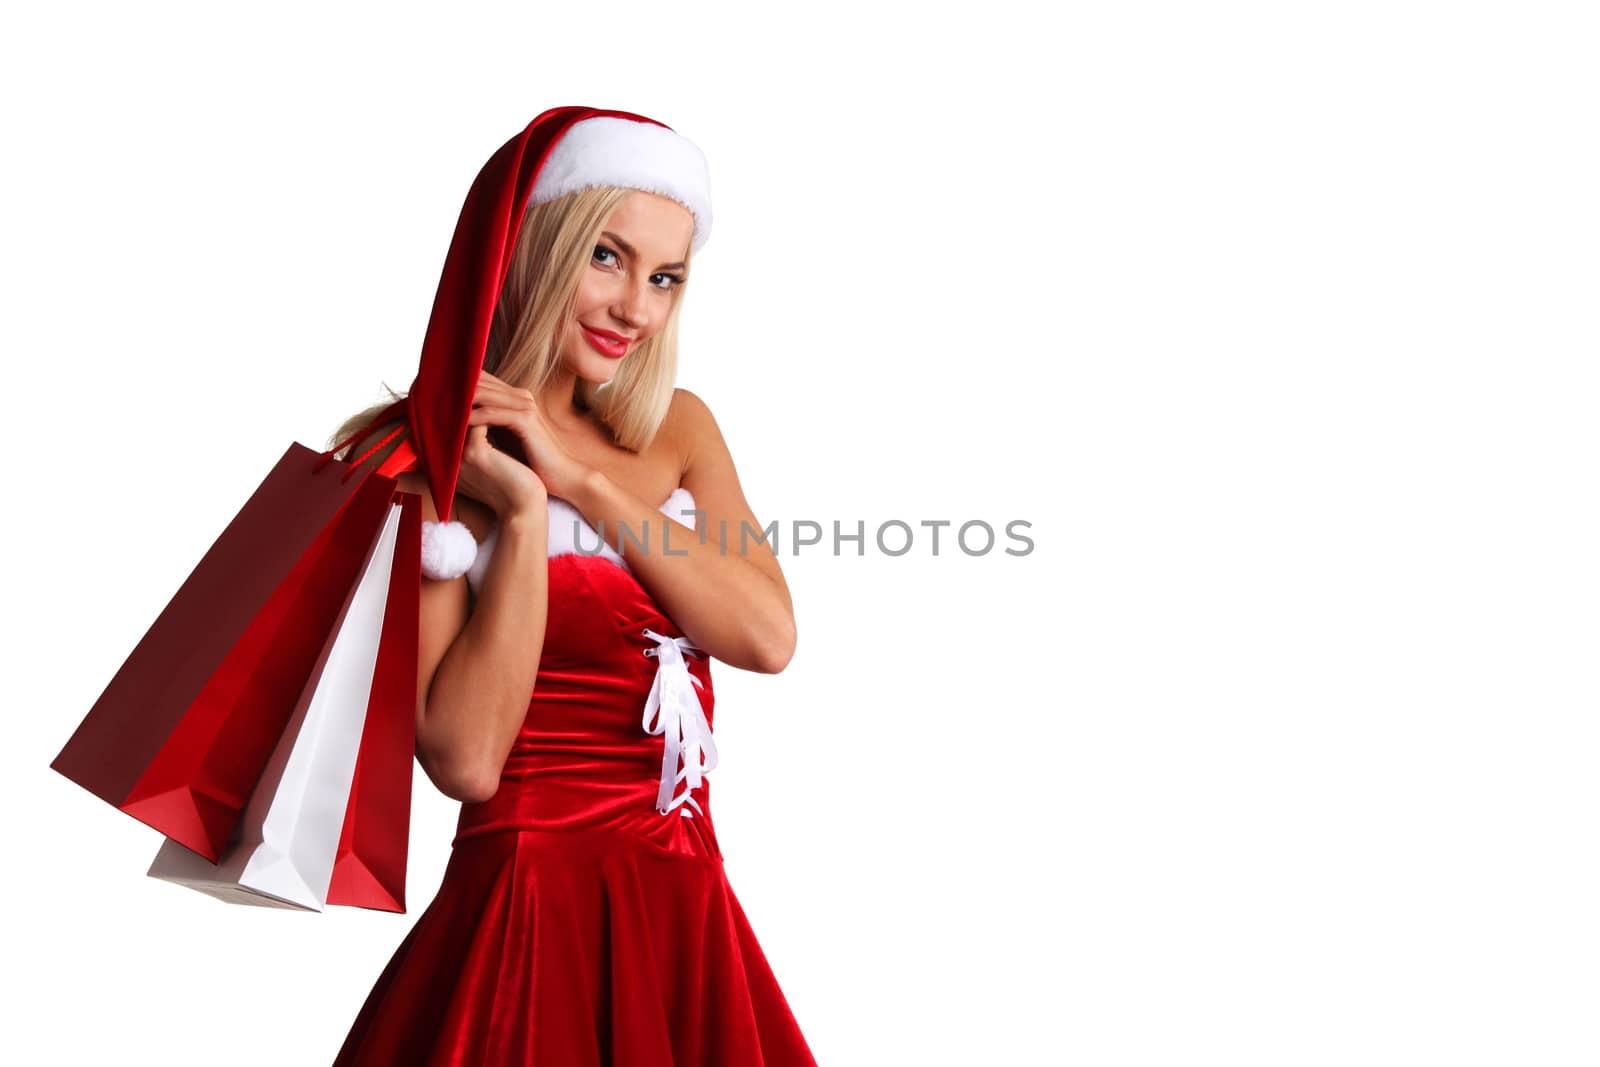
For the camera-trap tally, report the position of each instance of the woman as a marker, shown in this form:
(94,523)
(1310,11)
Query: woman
(584,917)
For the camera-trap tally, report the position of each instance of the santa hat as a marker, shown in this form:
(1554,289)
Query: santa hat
(561,151)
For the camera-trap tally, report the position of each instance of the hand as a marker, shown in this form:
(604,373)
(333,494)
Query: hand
(503,482)
(497,403)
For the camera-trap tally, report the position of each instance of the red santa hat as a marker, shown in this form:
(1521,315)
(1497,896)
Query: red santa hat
(561,151)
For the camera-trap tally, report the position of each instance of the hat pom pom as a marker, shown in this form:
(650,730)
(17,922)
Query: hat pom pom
(448,549)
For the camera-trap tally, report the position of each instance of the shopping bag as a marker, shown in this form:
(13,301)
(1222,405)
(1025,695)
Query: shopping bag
(370,871)
(180,736)
(288,837)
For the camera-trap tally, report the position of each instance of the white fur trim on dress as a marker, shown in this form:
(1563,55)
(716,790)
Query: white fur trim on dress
(569,533)
(480,566)
(607,150)
(448,549)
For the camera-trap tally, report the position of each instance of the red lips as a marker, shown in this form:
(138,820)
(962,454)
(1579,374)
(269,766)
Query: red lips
(605,342)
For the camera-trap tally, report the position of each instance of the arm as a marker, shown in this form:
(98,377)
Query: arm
(733,604)
(477,664)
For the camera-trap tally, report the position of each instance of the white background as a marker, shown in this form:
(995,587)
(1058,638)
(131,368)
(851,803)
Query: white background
(1277,323)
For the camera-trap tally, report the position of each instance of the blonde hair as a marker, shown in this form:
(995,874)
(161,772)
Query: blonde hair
(553,248)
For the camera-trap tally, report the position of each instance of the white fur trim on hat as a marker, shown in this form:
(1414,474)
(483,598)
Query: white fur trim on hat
(448,549)
(606,150)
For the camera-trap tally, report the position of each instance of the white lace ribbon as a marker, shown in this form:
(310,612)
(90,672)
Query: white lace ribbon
(673,709)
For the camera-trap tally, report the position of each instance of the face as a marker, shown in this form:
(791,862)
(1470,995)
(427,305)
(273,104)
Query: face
(629,285)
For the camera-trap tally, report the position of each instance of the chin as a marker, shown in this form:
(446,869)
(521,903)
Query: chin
(590,365)
(593,367)
(599,373)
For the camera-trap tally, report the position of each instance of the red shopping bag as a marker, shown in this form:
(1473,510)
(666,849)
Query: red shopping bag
(183,731)
(292,833)
(370,870)
(283,850)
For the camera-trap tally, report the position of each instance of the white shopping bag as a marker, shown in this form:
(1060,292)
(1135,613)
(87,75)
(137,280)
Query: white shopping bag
(282,853)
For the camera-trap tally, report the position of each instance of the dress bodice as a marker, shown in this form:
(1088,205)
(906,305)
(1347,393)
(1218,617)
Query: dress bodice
(618,730)
(577,922)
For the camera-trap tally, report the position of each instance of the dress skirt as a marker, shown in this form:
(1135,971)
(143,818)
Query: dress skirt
(581,949)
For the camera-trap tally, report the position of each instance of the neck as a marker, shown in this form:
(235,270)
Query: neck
(557,401)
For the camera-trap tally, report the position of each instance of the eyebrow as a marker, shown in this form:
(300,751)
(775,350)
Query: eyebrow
(626,247)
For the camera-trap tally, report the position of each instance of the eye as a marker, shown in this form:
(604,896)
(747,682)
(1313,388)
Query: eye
(602,250)
(672,280)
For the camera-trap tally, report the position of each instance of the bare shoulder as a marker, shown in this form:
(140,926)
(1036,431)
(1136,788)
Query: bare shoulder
(687,404)
(707,464)
(477,517)
(712,478)
(693,428)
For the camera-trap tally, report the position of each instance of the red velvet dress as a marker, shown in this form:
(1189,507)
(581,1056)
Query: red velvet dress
(579,923)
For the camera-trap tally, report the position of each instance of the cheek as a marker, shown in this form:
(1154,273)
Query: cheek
(594,291)
(660,309)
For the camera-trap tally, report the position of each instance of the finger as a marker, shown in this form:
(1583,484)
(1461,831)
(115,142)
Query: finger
(494,413)
(490,385)
(478,448)
(478,429)
(503,395)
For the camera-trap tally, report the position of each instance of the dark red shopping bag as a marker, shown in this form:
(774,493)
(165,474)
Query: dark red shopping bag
(370,870)
(182,733)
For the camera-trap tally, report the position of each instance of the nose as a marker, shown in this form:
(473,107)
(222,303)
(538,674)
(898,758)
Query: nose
(632,305)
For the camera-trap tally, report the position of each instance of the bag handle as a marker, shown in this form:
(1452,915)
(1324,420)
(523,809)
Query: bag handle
(403,458)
